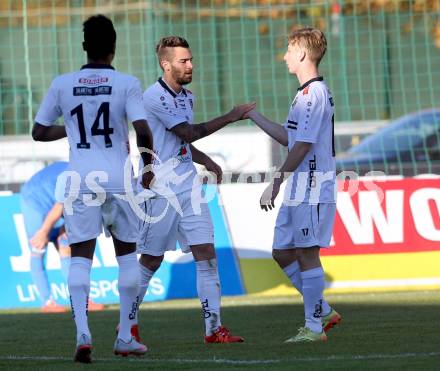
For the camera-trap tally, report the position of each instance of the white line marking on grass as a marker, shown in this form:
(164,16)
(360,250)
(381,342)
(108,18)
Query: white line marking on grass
(146,359)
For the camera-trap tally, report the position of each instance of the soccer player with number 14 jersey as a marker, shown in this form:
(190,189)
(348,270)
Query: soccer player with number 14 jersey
(96,103)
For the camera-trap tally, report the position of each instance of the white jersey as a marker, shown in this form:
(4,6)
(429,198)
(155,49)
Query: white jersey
(173,167)
(96,103)
(311,120)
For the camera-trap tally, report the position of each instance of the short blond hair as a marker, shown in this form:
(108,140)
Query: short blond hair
(312,40)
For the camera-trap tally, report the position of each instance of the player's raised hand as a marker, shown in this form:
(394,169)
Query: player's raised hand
(250,114)
(267,200)
(212,166)
(239,112)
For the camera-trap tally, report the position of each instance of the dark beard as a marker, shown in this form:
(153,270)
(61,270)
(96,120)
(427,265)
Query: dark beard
(184,80)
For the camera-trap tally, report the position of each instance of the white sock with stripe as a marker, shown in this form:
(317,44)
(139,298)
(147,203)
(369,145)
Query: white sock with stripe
(146,275)
(79,288)
(293,271)
(208,288)
(313,287)
(128,286)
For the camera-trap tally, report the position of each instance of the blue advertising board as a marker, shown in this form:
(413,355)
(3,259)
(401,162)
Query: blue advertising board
(176,278)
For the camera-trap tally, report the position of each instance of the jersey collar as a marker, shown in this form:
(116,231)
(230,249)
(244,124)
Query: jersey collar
(99,66)
(171,91)
(303,86)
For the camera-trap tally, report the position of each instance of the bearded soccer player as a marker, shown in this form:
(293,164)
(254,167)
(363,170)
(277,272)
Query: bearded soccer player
(176,207)
(96,102)
(305,220)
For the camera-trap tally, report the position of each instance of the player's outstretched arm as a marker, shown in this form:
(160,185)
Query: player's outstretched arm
(144,140)
(191,133)
(274,130)
(41,133)
(210,165)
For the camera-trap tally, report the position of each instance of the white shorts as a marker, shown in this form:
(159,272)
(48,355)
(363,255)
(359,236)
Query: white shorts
(304,225)
(191,227)
(115,215)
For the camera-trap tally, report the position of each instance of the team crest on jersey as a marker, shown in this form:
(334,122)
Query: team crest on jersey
(306,91)
(182,151)
(183,154)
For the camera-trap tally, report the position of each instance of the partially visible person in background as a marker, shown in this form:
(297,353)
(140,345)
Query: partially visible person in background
(42,209)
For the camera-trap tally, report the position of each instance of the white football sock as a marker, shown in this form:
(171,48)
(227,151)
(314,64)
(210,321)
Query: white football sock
(294,273)
(145,278)
(208,288)
(313,287)
(79,288)
(128,286)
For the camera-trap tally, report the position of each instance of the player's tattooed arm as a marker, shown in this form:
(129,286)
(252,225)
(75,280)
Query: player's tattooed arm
(41,133)
(210,165)
(191,133)
(198,156)
(144,139)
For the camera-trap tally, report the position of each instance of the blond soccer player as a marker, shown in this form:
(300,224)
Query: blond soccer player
(305,220)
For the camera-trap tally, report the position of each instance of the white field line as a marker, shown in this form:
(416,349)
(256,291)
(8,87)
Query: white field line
(233,361)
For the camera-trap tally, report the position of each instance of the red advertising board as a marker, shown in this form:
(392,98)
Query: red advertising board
(392,216)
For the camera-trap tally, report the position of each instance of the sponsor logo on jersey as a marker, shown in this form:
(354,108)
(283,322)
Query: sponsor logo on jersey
(331,101)
(97,90)
(181,103)
(305,231)
(92,80)
(191,103)
(312,169)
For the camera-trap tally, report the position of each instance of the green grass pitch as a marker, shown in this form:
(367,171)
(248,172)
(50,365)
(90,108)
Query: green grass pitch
(381,331)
